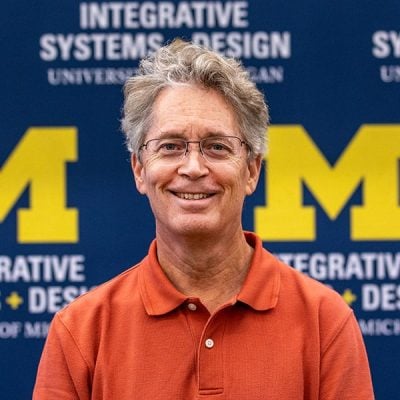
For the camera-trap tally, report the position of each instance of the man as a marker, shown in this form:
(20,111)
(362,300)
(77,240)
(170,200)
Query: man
(208,314)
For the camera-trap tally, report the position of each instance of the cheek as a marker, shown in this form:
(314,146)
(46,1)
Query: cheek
(151,160)
(238,178)
(154,176)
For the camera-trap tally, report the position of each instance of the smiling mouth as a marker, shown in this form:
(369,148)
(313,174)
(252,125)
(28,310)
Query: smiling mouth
(192,196)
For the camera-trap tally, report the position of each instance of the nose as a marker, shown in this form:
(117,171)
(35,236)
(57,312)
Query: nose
(193,163)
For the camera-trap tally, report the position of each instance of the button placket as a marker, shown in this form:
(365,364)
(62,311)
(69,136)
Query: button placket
(196,317)
(210,356)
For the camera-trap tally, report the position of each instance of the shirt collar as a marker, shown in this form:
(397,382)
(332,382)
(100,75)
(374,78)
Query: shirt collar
(158,293)
(260,289)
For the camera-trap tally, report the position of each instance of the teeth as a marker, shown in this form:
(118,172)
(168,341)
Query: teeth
(193,196)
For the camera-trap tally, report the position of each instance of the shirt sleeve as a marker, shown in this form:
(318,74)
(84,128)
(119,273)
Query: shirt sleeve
(345,371)
(63,373)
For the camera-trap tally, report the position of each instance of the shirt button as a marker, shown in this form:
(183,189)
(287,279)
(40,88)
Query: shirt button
(192,307)
(209,343)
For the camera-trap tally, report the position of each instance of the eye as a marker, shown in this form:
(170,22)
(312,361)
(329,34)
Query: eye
(218,147)
(170,146)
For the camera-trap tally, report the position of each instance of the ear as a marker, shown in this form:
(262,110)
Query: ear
(254,167)
(138,172)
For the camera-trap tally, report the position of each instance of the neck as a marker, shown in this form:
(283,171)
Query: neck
(205,266)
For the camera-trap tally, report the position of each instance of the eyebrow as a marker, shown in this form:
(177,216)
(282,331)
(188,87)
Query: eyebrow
(172,134)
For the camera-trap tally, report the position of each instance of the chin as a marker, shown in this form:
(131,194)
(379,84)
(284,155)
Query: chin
(192,226)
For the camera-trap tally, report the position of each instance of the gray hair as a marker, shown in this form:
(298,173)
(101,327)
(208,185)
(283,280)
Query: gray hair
(185,62)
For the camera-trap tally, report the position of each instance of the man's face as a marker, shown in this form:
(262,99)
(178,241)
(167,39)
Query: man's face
(194,196)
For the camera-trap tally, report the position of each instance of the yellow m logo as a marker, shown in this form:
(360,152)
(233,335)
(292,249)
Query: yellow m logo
(371,159)
(39,161)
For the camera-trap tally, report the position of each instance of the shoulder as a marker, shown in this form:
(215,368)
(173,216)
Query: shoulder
(311,300)
(293,292)
(297,285)
(81,327)
(97,303)
(318,304)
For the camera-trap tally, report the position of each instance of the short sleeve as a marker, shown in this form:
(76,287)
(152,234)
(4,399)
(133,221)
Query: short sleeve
(344,365)
(63,373)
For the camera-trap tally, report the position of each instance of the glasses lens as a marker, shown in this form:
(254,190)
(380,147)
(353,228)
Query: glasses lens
(214,149)
(221,148)
(168,149)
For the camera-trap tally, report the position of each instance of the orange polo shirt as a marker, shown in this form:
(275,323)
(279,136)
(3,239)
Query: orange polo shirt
(283,337)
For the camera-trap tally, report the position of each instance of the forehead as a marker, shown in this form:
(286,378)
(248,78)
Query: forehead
(192,110)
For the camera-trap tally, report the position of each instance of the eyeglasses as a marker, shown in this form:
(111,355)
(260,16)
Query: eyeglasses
(213,148)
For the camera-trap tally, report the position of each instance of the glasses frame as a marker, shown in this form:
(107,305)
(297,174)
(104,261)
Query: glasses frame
(199,142)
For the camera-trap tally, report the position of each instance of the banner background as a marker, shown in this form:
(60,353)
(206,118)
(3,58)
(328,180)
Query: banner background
(320,66)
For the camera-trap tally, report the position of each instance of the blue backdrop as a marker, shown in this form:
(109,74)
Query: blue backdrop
(329,199)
